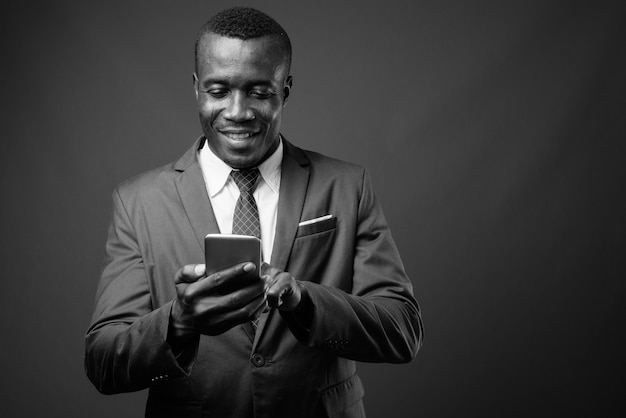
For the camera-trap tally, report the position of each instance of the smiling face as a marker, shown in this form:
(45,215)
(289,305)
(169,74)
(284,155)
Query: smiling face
(241,87)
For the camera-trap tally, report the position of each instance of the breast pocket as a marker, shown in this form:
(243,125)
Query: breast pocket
(313,250)
(307,229)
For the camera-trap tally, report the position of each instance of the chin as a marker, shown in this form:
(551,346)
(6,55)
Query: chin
(241,162)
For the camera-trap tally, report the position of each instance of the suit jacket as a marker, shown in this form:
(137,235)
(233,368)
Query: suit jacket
(363,303)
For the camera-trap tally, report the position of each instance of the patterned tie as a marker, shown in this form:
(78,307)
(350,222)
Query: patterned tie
(246,217)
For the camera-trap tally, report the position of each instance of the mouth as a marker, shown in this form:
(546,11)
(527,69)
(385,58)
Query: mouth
(238,135)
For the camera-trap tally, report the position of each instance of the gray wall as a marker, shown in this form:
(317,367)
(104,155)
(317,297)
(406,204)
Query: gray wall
(494,132)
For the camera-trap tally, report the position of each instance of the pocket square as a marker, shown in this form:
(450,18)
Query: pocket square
(312,221)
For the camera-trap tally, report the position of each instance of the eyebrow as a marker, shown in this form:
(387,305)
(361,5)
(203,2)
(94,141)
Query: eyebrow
(224,81)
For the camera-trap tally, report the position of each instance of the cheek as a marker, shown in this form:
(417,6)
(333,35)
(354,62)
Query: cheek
(270,114)
(208,112)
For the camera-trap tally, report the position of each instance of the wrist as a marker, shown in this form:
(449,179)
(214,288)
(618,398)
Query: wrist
(182,339)
(178,327)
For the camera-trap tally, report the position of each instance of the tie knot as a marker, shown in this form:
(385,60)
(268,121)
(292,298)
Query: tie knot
(246,180)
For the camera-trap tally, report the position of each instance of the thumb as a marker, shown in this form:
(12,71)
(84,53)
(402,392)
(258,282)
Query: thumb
(190,273)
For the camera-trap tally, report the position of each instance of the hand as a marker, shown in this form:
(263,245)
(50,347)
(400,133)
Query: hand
(214,304)
(282,290)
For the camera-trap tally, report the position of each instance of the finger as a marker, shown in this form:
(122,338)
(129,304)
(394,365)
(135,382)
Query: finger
(268,282)
(268,270)
(226,274)
(280,287)
(189,273)
(217,324)
(233,277)
(270,275)
(263,307)
(258,305)
(229,274)
(264,267)
(216,303)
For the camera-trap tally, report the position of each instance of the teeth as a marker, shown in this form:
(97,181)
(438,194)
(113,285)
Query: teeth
(234,135)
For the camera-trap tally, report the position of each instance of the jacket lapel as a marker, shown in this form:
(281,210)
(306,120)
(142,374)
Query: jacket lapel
(294,181)
(193,195)
(293,187)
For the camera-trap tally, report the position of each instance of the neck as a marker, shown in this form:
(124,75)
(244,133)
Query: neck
(269,152)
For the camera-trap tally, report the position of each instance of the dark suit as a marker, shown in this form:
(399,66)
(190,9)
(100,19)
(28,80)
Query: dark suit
(364,309)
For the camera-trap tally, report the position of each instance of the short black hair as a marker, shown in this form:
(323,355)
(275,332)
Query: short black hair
(245,23)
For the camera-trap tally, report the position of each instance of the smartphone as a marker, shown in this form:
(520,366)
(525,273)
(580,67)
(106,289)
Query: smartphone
(225,250)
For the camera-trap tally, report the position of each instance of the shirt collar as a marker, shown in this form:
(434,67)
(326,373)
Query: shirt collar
(220,171)
(270,168)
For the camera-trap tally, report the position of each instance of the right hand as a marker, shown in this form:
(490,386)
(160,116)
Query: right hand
(212,305)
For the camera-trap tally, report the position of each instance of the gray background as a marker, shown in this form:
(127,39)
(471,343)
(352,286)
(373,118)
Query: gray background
(494,132)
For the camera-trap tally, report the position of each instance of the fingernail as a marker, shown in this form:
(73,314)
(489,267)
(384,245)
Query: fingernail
(248,267)
(199,269)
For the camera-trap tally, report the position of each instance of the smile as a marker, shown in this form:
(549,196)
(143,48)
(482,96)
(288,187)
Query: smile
(237,135)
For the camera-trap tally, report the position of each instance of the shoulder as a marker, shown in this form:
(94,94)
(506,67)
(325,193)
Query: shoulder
(147,189)
(159,181)
(325,166)
(149,179)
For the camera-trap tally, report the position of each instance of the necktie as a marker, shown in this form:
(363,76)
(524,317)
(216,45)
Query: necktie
(246,216)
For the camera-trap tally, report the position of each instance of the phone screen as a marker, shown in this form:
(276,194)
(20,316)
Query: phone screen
(224,250)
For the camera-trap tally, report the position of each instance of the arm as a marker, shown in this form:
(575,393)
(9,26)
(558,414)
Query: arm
(125,347)
(132,343)
(379,320)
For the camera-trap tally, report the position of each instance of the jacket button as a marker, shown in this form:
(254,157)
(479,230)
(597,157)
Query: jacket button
(258,360)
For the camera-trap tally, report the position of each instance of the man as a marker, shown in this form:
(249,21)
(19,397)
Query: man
(332,291)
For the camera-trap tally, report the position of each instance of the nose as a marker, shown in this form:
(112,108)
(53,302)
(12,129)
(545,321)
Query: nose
(238,109)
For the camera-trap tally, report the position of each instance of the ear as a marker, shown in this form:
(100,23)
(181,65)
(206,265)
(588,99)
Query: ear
(287,89)
(195,84)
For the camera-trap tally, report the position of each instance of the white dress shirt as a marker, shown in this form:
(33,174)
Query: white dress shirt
(223,193)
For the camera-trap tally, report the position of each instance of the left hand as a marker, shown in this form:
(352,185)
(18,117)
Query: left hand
(282,290)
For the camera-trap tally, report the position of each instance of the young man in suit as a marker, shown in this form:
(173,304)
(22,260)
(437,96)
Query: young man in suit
(281,342)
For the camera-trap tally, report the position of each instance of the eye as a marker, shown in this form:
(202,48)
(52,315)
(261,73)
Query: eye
(218,93)
(261,94)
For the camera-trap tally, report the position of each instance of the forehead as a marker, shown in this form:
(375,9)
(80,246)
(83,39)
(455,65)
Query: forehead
(221,55)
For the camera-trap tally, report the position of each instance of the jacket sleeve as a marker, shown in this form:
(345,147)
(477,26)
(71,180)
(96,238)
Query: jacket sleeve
(125,347)
(379,320)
